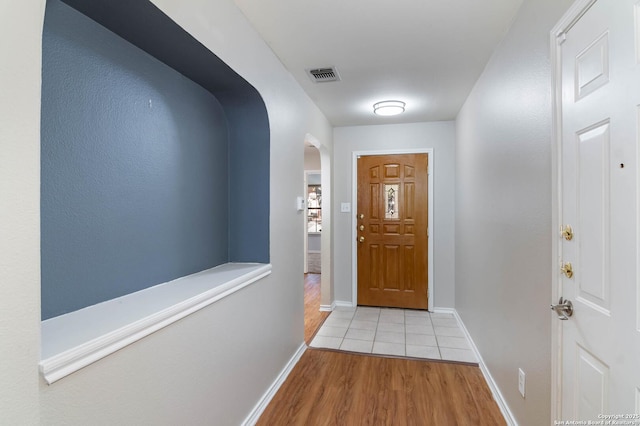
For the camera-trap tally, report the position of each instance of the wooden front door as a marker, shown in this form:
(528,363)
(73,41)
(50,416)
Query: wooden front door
(391,225)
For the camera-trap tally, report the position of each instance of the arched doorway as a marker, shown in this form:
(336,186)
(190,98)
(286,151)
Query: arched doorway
(317,234)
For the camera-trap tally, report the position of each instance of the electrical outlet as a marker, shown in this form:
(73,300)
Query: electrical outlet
(521,381)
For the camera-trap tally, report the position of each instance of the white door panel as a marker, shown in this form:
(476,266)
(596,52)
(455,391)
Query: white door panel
(599,131)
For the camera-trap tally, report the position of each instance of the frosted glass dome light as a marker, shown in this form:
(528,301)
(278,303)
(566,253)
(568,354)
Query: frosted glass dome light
(388,108)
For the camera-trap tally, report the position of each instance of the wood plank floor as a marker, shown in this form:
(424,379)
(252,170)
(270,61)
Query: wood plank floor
(313,318)
(337,388)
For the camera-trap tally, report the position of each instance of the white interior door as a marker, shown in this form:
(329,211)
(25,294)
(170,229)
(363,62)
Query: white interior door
(598,169)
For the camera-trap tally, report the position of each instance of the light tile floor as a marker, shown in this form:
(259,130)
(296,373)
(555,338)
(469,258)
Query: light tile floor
(401,332)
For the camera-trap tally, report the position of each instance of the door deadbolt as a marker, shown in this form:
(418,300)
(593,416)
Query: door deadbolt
(567,269)
(567,232)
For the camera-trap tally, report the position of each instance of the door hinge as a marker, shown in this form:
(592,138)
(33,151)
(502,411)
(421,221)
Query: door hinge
(427,231)
(562,37)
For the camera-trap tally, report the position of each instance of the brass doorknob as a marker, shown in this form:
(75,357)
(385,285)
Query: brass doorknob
(361,227)
(567,269)
(361,239)
(567,232)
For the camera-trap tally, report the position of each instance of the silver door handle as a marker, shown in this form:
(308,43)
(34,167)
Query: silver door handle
(564,309)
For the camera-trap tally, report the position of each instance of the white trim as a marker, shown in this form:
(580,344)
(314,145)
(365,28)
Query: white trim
(354,199)
(74,340)
(439,310)
(328,308)
(262,404)
(493,386)
(557,37)
(337,304)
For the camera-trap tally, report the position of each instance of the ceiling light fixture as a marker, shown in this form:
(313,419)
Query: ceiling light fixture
(389,107)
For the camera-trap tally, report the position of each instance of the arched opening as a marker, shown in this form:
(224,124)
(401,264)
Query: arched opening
(152,167)
(317,234)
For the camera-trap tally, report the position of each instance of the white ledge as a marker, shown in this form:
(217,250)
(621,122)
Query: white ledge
(77,339)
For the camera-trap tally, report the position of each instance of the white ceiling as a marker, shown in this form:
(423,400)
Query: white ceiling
(427,53)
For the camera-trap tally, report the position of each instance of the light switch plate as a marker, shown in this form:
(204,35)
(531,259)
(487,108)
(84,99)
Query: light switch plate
(521,381)
(345,207)
(300,203)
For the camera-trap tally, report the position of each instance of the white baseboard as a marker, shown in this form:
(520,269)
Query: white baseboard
(497,395)
(445,311)
(257,411)
(328,308)
(335,304)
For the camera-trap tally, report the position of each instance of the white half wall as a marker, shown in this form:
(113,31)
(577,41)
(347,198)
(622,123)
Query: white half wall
(503,211)
(209,368)
(437,135)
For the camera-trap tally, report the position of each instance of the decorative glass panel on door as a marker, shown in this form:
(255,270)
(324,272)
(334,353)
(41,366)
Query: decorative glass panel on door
(391,201)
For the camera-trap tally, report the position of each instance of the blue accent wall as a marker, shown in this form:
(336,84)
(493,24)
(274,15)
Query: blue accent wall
(141,167)
(248,162)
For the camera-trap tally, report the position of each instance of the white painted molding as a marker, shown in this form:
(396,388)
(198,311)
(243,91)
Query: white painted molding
(444,311)
(328,308)
(495,390)
(74,340)
(335,304)
(344,304)
(262,404)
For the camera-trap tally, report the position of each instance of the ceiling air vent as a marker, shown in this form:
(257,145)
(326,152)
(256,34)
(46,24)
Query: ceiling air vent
(323,75)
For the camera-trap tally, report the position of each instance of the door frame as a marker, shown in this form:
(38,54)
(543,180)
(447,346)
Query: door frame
(354,203)
(573,15)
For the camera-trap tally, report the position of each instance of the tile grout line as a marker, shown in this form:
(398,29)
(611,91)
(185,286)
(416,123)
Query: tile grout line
(404,327)
(433,327)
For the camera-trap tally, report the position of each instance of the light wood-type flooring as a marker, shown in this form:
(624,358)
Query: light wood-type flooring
(313,318)
(336,388)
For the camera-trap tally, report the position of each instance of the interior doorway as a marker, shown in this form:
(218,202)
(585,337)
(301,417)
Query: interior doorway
(317,234)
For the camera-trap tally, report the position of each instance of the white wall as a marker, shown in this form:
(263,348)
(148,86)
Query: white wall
(20,44)
(503,211)
(210,368)
(311,159)
(437,135)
